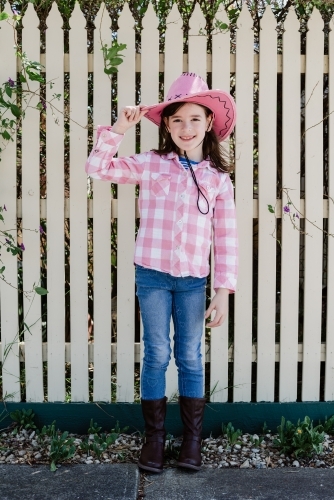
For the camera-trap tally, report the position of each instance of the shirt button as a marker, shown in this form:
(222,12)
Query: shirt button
(182,196)
(104,135)
(178,248)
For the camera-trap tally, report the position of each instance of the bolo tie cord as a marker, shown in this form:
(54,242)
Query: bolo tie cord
(199,191)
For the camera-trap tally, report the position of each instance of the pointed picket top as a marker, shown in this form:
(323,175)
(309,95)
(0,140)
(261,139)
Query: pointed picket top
(30,17)
(245,19)
(102,20)
(291,21)
(126,19)
(150,19)
(315,22)
(197,22)
(54,18)
(268,20)
(174,17)
(77,19)
(221,15)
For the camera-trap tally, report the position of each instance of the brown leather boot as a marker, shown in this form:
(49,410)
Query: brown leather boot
(152,453)
(192,412)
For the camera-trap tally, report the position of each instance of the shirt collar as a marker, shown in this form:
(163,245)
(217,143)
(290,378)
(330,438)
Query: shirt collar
(203,164)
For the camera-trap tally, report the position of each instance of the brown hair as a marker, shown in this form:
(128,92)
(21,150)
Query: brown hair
(211,147)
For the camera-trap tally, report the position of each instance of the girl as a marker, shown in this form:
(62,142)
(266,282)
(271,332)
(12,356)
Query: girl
(185,196)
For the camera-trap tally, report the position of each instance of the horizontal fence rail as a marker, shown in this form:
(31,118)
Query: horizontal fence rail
(82,341)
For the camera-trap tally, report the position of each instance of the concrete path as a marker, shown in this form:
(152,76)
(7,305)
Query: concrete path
(121,482)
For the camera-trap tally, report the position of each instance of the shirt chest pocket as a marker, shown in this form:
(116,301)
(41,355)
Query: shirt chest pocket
(160,184)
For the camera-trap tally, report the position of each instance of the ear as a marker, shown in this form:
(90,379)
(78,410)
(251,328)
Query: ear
(210,122)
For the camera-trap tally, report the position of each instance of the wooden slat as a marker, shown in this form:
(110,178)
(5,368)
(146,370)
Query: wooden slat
(9,294)
(313,208)
(173,69)
(329,366)
(219,335)
(197,43)
(173,57)
(78,207)
(101,226)
(55,209)
(289,306)
(197,64)
(244,204)
(149,135)
(31,220)
(126,222)
(279,57)
(266,310)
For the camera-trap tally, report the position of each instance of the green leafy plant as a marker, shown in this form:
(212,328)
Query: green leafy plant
(24,418)
(301,439)
(231,434)
(61,449)
(328,425)
(117,431)
(48,431)
(93,428)
(112,57)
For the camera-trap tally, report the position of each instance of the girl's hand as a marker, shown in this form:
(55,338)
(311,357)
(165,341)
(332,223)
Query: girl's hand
(219,304)
(128,117)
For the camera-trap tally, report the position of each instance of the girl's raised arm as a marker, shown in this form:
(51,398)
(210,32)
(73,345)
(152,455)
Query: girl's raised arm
(128,117)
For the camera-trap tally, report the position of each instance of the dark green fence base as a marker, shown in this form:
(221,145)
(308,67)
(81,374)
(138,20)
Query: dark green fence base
(249,417)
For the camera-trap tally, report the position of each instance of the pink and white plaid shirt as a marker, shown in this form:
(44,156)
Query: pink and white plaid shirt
(174,236)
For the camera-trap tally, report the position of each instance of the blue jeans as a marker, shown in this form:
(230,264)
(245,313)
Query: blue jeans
(162,296)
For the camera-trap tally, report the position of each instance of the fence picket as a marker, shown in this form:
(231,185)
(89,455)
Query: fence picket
(290,236)
(31,220)
(173,48)
(78,206)
(197,43)
(173,69)
(9,294)
(54,67)
(266,320)
(329,365)
(219,336)
(126,222)
(313,208)
(244,205)
(149,132)
(101,226)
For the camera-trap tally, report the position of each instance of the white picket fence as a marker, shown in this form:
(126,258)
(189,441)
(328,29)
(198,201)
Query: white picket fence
(244,64)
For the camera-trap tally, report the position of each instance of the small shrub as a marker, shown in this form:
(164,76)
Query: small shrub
(24,419)
(302,439)
(61,449)
(231,434)
(93,428)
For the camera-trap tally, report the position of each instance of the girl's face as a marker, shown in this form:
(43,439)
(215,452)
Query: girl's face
(187,128)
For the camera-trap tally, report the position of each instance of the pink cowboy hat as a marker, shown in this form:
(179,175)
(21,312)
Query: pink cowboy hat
(190,87)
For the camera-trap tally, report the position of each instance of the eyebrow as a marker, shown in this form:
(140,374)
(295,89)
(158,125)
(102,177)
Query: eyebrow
(192,116)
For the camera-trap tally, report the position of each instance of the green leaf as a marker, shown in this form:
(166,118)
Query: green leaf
(22,78)
(3,16)
(115,61)
(108,71)
(5,135)
(15,110)
(40,290)
(9,91)
(53,467)
(2,269)
(271,209)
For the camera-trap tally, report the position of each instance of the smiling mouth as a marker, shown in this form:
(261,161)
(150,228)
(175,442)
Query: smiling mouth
(187,138)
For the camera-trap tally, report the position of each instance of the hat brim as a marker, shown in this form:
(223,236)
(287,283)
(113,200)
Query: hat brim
(218,101)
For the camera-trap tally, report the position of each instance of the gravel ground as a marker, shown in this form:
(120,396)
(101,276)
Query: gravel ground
(26,447)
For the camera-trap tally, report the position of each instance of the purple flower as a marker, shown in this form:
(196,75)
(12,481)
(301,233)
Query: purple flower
(286,209)
(8,241)
(11,82)
(43,103)
(297,215)
(41,230)
(5,209)
(21,245)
